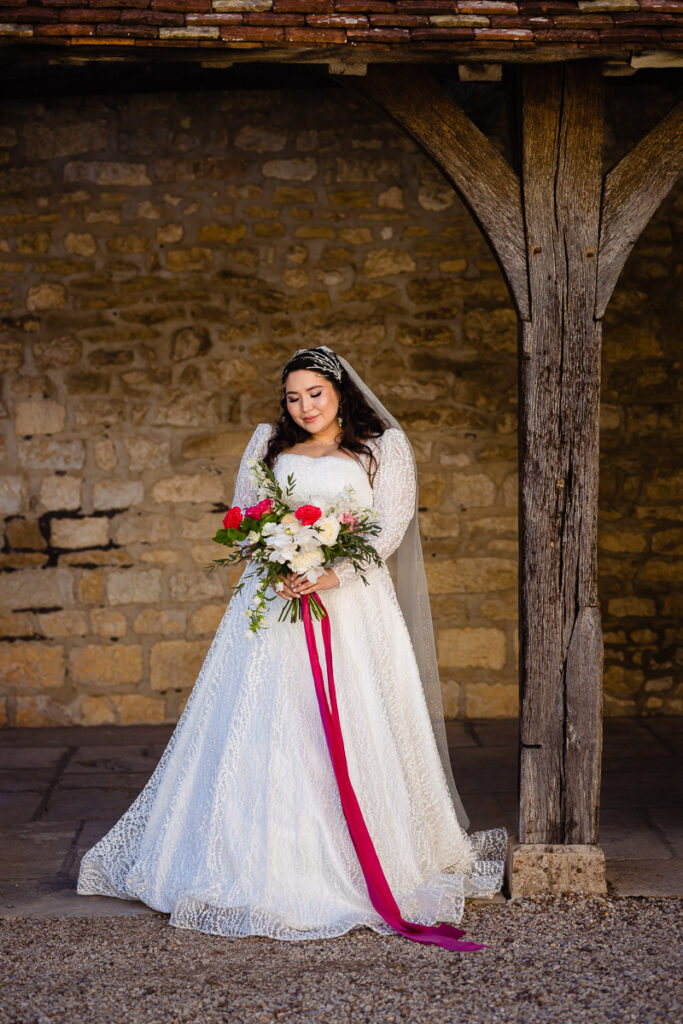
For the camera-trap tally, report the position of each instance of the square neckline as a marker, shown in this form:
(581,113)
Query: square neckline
(301,455)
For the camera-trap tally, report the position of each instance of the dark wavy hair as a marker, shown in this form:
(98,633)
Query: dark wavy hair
(360,421)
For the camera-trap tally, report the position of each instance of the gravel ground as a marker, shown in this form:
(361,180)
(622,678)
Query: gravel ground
(561,960)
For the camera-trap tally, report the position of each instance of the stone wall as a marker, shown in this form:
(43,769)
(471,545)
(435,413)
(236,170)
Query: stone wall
(161,255)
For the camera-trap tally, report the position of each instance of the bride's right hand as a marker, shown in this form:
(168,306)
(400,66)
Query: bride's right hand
(286,593)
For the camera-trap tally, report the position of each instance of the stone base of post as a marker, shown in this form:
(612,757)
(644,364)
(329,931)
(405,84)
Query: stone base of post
(537,869)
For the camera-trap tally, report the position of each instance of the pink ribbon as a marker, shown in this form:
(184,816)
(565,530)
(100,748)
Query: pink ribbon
(381,897)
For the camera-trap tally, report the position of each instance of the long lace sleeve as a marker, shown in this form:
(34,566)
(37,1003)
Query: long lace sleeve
(394,491)
(245,492)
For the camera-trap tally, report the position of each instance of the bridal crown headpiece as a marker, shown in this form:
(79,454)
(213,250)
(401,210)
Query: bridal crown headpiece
(321,360)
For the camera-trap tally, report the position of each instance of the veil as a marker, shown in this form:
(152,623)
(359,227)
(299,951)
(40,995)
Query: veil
(406,565)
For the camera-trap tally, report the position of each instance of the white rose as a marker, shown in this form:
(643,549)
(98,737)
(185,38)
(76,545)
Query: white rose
(304,560)
(328,530)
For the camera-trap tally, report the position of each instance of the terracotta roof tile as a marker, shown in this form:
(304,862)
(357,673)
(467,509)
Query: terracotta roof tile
(606,27)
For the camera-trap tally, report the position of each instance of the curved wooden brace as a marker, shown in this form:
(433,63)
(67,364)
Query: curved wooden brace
(484,179)
(634,188)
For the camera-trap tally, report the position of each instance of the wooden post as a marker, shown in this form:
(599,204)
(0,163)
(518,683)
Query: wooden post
(561,236)
(559,406)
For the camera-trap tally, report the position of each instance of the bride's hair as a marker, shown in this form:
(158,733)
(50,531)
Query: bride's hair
(360,421)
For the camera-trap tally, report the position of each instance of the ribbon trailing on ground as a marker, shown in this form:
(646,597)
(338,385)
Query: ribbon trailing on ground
(381,897)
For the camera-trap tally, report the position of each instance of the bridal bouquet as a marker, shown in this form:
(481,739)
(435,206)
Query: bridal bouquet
(282,537)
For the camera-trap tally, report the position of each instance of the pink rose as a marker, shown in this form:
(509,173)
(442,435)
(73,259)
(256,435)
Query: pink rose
(349,520)
(260,510)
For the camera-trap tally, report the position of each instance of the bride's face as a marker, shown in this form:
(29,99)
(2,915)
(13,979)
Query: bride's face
(311,400)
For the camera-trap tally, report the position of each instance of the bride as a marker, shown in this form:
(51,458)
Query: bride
(243,828)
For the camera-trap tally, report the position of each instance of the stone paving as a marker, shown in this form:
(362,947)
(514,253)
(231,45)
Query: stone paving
(63,788)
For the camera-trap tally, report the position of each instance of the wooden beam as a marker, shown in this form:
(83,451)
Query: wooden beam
(634,188)
(483,177)
(559,405)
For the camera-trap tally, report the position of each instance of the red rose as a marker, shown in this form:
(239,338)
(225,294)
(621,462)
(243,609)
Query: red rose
(233,518)
(308,514)
(260,510)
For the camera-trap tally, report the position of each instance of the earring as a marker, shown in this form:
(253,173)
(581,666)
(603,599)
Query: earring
(340,421)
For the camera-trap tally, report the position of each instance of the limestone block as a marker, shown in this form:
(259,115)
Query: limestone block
(493,329)
(36,243)
(16,624)
(104,453)
(170,234)
(491,700)
(470,575)
(296,169)
(38,588)
(260,139)
(40,709)
(175,664)
(46,141)
(183,260)
(63,623)
(39,416)
(472,647)
(436,195)
(162,556)
(160,621)
(106,664)
(391,199)
(81,532)
(122,709)
(229,233)
(91,587)
(133,586)
(28,665)
(11,355)
(107,622)
(621,541)
(46,296)
(53,353)
(233,372)
(537,869)
(144,453)
(132,529)
(382,262)
(60,492)
(195,488)
(101,172)
(207,619)
(46,453)
(80,244)
(659,572)
(195,586)
(107,494)
(438,524)
(201,528)
(13,496)
(623,682)
(450,695)
(472,489)
(667,486)
(432,336)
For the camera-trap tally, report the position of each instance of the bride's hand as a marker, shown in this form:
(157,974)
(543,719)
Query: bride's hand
(286,593)
(326,581)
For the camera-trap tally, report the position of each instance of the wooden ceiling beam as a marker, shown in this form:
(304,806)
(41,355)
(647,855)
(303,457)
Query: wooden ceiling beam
(633,190)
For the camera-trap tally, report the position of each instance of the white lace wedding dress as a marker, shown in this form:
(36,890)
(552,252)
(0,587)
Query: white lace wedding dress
(240,828)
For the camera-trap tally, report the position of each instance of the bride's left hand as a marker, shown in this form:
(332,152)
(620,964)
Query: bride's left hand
(300,585)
